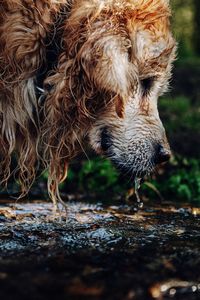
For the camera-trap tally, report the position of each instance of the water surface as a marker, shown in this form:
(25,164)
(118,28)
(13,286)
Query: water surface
(99,252)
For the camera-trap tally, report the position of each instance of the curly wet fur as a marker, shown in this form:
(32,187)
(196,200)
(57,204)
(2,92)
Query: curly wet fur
(76,85)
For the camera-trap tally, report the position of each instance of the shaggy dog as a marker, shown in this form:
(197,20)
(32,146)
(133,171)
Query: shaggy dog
(77,70)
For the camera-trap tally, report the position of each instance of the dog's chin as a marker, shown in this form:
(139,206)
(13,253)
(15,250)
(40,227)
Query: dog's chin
(132,174)
(131,171)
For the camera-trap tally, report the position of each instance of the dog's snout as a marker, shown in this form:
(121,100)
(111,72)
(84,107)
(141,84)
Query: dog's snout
(105,139)
(162,155)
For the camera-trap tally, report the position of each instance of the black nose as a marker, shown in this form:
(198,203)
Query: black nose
(162,155)
(105,139)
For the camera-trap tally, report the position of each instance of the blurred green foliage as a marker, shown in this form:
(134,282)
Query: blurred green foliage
(180,180)
(179,114)
(183,25)
(96,176)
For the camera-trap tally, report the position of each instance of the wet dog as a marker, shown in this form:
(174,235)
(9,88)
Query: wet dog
(76,70)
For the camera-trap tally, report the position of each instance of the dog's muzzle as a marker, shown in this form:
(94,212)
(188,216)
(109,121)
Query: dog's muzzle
(144,160)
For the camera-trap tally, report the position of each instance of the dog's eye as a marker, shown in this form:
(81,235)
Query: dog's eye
(147,83)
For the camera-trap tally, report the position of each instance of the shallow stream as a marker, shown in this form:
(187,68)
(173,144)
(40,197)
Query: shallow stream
(99,252)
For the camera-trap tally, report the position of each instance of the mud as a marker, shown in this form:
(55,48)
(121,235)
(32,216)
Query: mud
(99,252)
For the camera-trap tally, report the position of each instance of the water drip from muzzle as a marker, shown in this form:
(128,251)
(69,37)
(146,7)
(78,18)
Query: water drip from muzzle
(137,187)
(133,198)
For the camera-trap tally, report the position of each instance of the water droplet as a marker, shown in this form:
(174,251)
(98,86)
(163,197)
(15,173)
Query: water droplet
(140,205)
(172,292)
(194,288)
(137,187)
(164,288)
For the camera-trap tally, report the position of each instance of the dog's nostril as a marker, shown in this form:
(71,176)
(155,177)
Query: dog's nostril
(162,155)
(105,139)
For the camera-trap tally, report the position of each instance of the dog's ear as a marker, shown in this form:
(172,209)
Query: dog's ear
(105,59)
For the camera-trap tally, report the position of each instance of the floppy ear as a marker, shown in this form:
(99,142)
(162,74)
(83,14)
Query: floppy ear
(104,57)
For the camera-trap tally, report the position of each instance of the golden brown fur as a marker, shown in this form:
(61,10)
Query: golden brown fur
(82,87)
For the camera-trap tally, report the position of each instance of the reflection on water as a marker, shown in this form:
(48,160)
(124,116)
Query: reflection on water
(100,252)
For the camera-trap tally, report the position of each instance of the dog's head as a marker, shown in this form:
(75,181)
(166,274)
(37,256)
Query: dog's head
(122,52)
(129,55)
